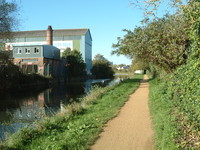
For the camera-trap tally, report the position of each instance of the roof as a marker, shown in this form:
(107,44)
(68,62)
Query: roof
(42,33)
(44,45)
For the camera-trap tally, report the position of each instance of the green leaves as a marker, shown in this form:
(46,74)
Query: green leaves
(7,18)
(101,68)
(161,42)
(74,63)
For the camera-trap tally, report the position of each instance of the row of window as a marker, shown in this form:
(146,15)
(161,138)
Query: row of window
(28,50)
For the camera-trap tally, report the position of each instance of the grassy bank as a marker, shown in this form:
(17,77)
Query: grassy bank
(163,119)
(79,125)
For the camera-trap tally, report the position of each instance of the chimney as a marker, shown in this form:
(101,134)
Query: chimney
(49,37)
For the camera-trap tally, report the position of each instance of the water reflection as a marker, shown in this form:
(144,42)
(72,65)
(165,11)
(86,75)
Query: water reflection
(20,108)
(17,107)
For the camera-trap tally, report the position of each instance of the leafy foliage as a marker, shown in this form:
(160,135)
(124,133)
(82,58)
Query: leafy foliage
(101,67)
(161,43)
(9,73)
(74,63)
(139,64)
(8,18)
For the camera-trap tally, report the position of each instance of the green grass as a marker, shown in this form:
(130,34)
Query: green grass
(163,120)
(79,126)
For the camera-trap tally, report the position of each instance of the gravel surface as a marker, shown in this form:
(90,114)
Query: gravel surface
(131,129)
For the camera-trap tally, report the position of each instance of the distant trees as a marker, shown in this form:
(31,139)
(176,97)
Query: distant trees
(101,67)
(74,63)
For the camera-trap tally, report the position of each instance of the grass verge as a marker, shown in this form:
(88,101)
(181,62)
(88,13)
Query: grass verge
(163,121)
(79,125)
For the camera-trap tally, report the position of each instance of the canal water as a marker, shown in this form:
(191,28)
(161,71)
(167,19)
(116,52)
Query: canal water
(18,109)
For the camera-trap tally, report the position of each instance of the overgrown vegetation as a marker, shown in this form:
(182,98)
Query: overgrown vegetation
(78,126)
(161,43)
(175,114)
(170,46)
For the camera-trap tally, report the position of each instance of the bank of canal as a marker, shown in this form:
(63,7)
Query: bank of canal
(18,109)
(79,124)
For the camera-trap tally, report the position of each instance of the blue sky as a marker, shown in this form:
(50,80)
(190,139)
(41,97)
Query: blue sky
(104,18)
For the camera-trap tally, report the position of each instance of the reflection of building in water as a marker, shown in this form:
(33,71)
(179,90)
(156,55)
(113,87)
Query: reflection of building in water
(35,108)
(31,109)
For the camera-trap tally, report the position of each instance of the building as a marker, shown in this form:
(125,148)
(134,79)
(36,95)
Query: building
(42,59)
(79,39)
(126,67)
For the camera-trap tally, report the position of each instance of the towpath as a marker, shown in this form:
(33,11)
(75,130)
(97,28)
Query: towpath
(131,129)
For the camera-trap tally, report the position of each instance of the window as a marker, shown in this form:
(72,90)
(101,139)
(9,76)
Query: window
(19,51)
(27,50)
(36,50)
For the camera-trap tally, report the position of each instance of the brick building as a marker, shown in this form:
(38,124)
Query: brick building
(79,39)
(42,59)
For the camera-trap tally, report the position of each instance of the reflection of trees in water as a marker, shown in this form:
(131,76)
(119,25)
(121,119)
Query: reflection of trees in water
(35,103)
(15,99)
(65,93)
(32,104)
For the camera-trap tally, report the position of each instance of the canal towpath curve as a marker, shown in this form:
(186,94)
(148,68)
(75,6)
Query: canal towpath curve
(132,128)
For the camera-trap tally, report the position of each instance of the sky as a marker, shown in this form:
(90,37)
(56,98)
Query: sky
(105,18)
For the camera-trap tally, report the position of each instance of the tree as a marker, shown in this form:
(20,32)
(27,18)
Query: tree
(101,67)
(9,73)
(100,58)
(8,20)
(74,63)
(139,64)
(161,42)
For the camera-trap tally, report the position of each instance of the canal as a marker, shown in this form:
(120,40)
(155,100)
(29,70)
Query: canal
(18,109)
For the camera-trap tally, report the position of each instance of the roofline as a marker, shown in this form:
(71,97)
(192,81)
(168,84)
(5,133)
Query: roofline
(33,45)
(90,34)
(78,31)
(53,30)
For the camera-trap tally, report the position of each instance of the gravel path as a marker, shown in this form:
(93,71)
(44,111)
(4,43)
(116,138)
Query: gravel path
(131,129)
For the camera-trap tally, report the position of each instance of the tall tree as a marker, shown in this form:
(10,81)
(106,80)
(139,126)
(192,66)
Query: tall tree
(74,63)
(161,42)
